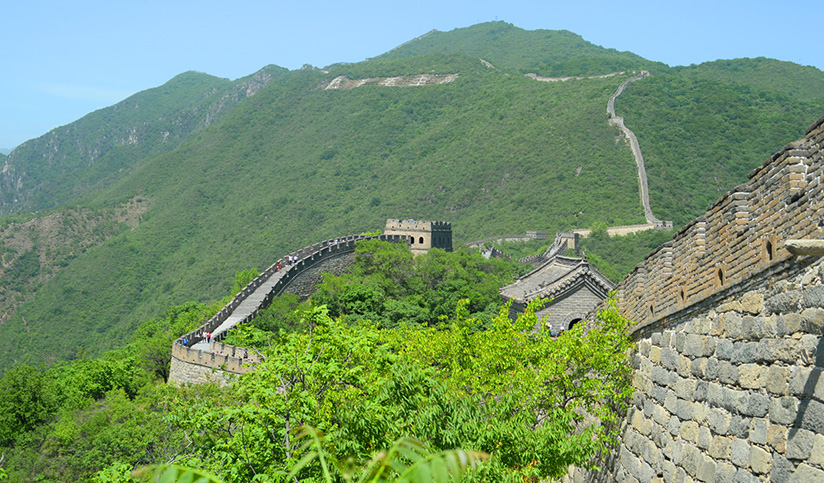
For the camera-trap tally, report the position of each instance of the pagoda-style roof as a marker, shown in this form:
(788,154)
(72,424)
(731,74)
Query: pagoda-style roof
(555,278)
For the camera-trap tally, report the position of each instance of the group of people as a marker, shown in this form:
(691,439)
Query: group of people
(198,335)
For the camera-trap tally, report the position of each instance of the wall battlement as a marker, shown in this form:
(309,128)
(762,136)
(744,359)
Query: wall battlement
(422,235)
(740,235)
(729,349)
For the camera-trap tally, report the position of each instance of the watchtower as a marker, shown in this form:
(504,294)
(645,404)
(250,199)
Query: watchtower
(422,235)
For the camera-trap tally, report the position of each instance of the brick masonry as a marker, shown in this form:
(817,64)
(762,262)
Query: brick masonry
(729,355)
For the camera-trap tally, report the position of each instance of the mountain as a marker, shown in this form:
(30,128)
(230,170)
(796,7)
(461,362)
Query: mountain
(107,144)
(161,198)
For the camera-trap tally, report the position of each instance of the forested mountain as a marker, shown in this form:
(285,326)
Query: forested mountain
(202,177)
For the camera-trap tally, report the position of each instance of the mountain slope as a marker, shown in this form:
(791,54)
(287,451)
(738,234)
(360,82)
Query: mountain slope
(104,145)
(545,52)
(491,151)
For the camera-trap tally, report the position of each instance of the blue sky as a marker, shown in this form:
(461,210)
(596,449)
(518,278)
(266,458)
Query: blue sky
(60,60)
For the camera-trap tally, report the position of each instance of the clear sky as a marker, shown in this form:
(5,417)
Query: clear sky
(60,60)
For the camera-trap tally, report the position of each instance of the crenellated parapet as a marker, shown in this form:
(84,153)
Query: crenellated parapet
(741,235)
(422,235)
(729,350)
(196,359)
(281,277)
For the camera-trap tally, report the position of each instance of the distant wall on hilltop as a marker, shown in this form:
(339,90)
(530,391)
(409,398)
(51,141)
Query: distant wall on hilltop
(729,355)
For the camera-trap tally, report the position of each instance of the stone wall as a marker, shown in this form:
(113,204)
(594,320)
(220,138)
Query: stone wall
(332,255)
(303,284)
(729,353)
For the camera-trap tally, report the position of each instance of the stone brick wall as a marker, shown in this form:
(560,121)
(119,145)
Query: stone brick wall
(729,354)
(332,255)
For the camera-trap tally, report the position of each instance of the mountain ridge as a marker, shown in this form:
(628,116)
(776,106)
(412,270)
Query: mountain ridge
(492,152)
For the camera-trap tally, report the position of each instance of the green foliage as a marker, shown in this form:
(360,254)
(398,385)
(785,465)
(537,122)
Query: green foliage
(518,395)
(491,152)
(408,460)
(616,256)
(242,279)
(701,135)
(388,286)
(25,401)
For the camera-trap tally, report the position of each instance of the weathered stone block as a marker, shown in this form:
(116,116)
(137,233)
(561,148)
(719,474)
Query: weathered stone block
(704,437)
(674,425)
(804,381)
(799,444)
(715,394)
(782,469)
(692,460)
(739,426)
(685,388)
(750,376)
(660,416)
(783,302)
(758,431)
(807,474)
(733,306)
(659,394)
(752,302)
(813,320)
(760,461)
(698,367)
(744,476)
(757,405)
(723,349)
(689,431)
(706,470)
(811,413)
(778,380)
(669,358)
(744,352)
(739,452)
(685,410)
(683,368)
(671,402)
(813,296)
(719,421)
(732,325)
(788,324)
(661,376)
(727,373)
(817,451)
(680,338)
(720,448)
(810,353)
(711,372)
(725,473)
(771,350)
(655,354)
(694,346)
(701,391)
(733,399)
(777,437)
(783,410)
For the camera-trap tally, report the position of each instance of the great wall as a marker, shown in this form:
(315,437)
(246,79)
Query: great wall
(728,351)
(197,359)
(729,354)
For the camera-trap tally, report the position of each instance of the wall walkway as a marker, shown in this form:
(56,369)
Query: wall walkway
(197,360)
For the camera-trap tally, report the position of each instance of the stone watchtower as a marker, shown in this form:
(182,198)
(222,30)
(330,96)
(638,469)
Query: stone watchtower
(422,235)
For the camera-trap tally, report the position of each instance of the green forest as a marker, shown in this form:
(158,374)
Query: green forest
(452,378)
(157,201)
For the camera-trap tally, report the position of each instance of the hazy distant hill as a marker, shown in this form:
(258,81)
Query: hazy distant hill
(107,144)
(253,168)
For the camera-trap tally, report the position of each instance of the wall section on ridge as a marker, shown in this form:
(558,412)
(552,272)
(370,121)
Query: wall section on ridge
(729,356)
